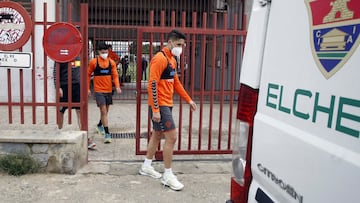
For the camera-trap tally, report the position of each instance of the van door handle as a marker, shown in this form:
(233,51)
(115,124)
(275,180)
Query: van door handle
(264,2)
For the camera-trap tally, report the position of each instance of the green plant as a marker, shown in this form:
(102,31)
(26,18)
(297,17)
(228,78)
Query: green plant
(18,164)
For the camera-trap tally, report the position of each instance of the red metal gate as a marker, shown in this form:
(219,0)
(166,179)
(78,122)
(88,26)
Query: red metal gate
(209,67)
(30,91)
(209,71)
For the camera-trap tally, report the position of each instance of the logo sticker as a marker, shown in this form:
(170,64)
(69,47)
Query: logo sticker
(334,31)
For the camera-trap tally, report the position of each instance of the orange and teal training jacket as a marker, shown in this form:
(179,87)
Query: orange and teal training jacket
(105,72)
(164,80)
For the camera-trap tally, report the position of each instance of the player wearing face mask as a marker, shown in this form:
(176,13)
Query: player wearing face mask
(176,51)
(163,81)
(105,73)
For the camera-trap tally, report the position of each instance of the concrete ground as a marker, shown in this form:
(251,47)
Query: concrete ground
(119,182)
(112,172)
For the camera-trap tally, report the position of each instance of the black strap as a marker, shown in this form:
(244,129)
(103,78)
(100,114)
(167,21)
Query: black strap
(176,59)
(101,72)
(168,72)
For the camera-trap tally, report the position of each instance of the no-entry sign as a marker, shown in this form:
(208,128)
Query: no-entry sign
(62,42)
(15,26)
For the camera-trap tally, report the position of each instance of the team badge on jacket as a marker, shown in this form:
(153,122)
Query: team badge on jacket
(334,31)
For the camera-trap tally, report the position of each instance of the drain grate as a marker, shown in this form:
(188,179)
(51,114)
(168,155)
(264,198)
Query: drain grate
(122,135)
(127,135)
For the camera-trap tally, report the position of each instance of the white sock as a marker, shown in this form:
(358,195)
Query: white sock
(168,171)
(147,162)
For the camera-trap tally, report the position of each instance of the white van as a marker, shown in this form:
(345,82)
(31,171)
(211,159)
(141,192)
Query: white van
(299,104)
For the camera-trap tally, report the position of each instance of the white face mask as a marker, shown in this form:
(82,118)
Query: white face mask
(176,51)
(104,56)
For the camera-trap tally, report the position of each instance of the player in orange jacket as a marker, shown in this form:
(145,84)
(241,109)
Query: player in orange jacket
(105,73)
(163,81)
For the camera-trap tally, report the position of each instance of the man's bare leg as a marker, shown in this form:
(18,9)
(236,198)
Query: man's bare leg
(146,168)
(153,144)
(169,179)
(103,115)
(170,139)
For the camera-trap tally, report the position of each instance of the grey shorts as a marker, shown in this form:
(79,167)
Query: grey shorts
(167,121)
(103,98)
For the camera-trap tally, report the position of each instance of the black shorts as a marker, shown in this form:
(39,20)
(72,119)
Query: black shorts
(103,98)
(167,122)
(75,95)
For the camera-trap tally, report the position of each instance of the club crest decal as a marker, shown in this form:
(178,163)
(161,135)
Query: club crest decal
(334,31)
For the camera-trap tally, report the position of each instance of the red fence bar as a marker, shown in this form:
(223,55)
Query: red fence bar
(212,85)
(57,95)
(223,64)
(138,104)
(183,81)
(162,24)
(33,93)
(22,119)
(69,73)
(234,47)
(83,75)
(138,94)
(57,76)
(45,70)
(202,79)
(193,42)
(9,96)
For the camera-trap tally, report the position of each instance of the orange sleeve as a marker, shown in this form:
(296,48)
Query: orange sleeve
(179,88)
(157,66)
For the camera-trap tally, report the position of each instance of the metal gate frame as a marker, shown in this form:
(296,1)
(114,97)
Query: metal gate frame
(237,37)
(32,104)
(191,34)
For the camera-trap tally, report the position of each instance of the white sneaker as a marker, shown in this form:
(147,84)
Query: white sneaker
(171,181)
(149,171)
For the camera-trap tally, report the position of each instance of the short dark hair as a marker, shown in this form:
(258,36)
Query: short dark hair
(176,35)
(102,46)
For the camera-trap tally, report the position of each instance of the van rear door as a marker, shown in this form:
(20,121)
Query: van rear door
(306,145)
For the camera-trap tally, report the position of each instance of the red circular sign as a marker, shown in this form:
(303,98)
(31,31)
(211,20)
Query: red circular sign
(62,42)
(15,26)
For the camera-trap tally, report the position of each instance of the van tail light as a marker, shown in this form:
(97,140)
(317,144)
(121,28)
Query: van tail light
(241,159)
